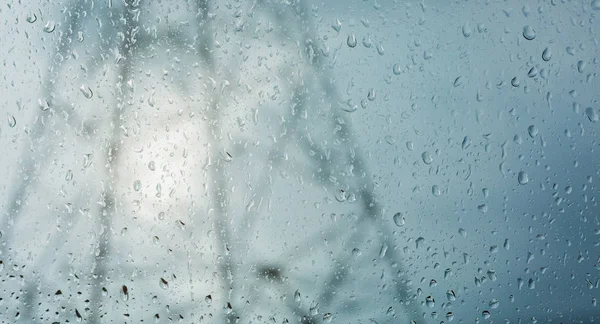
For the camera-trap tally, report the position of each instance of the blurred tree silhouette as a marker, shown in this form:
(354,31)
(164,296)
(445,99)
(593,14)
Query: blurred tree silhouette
(243,93)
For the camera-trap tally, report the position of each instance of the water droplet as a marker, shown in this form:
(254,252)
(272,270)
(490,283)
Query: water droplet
(371,94)
(532,130)
(483,208)
(399,219)
(427,158)
(450,316)
(12,121)
(124,293)
(396,69)
(506,244)
(419,242)
(515,82)
(337,26)
(86,91)
(528,32)
(164,284)
(595,4)
(390,140)
(546,54)
(327,317)
(494,303)
(137,185)
(31,18)
(351,41)
(486,314)
(523,178)
(297,297)
(161,216)
(466,142)
(410,145)
(532,72)
(458,81)
(50,26)
(466,30)
(380,49)
(592,114)
(435,190)
(208,299)
(430,302)
(151,166)
(383,250)
(69,175)
(580,66)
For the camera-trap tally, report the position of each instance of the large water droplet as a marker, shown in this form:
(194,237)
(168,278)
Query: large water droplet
(486,314)
(31,18)
(528,32)
(163,283)
(12,121)
(124,293)
(515,82)
(546,54)
(523,178)
(427,157)
(86,91)
(430,302)
(351,41)
(592,114)
(399,219)
(50,26)
(532,130)
(337,26)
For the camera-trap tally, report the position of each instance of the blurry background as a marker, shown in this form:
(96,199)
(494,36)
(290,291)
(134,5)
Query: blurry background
(298,161)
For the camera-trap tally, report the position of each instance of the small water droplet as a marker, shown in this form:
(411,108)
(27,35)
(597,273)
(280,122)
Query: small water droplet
(86,91)
(137,185)
(450,316)
(399,219)
(50,26)
(351,41)
(546,54)
(592,114)
(12,121)
(297,297)
(327,317)
(427,157)
(31,18)
(435,190)
(528,32)
(151,166)
(523,178)
(410,145)
(69,175)
(532,130)
(396,69)
(380,49)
